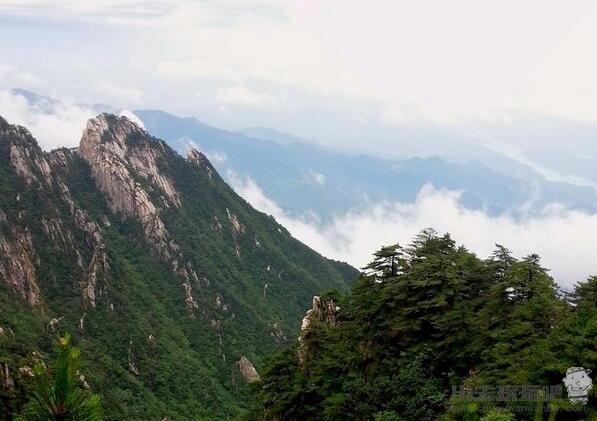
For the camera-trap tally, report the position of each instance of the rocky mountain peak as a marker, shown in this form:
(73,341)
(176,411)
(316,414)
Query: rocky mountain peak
(19,255)
(121,155)
(115,133)
(25,155)
(127,166)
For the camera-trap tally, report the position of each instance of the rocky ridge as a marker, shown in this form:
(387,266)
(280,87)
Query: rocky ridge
(41,172)
(322,311)
(125,164)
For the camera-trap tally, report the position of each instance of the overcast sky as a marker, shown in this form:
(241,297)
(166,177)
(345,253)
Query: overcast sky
(288,63)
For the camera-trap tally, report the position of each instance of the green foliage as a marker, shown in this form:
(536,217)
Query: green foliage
(186,363)
(387,262)
(445,318)
(58,395)
(495,415)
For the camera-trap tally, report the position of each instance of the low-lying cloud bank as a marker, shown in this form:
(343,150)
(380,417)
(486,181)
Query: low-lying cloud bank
(565,239)
(53,123)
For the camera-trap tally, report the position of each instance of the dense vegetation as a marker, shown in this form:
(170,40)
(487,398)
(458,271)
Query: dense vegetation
(145,354)
(428,321)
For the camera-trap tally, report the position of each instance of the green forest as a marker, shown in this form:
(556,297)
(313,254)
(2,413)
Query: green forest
(430,331)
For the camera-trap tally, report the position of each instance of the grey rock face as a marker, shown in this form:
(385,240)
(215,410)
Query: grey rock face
(246,369)
(19,262)
(125,164)
(324,311)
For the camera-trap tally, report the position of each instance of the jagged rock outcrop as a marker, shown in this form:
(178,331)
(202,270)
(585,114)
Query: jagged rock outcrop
(131,362)
(17,264)
(324,311)
(24,156)
(197,158)
(122,156)
(6,380)
(246,369)
(19,261)
(125,164)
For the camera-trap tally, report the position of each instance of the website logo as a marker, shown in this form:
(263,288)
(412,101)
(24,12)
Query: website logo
(578,383)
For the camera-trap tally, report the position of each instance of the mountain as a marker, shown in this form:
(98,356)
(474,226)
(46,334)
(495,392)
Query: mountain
(266,133)
(174,287)
(306,179)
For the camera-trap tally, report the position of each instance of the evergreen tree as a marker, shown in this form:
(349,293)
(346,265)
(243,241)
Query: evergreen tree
(501,260)
(58,395)
(388,262)
(429,289)
(585,294)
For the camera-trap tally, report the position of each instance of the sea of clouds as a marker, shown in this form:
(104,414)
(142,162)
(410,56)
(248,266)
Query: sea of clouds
(564,238)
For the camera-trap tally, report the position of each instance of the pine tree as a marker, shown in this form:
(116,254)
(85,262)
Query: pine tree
(58,395)
(585,294)
(501,260)
(429,288)
(388,262)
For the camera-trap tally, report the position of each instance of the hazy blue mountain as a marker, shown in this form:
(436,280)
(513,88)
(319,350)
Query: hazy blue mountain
(48,105)
(303,177)
(544,141)
(267,133)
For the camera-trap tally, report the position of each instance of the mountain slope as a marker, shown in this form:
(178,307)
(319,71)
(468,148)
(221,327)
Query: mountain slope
(171,282)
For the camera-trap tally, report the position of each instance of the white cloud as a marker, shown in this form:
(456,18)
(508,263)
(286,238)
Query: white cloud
(132,117)
(241,42)
(415,61)
(316,177)
(123,12)
(241,95)
(562,237)
(562,81)
(120,94)
(59,126)
(11,77)
(454,60)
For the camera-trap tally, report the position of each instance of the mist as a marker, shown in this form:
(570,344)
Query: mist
(562,237)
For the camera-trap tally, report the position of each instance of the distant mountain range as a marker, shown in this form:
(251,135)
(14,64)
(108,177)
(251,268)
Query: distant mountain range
(308,180)
(304,178)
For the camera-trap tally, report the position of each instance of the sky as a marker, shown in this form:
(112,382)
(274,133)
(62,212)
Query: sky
(379,76)
(262,62)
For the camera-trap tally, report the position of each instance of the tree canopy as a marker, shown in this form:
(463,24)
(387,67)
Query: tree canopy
(430,318)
